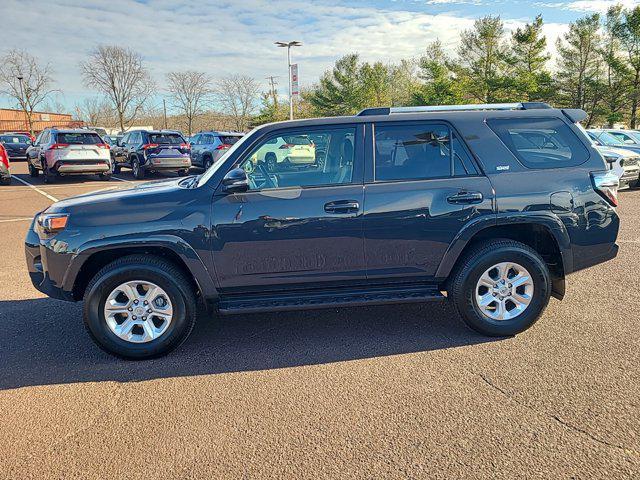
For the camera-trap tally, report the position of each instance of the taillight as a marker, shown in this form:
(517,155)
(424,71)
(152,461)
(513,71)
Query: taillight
(58,146)
(186,145)
(224,146)
(150,145)
(103,145)
(4,158)
(287,145)
(606,185)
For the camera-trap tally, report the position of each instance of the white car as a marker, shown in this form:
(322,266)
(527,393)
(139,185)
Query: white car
(624,163)
(286,151)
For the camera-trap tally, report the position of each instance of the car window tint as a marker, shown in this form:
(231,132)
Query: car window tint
(412,152)
(295,160)
(229,139)
(540,142)
(79,138)
(14,139)
(166,138)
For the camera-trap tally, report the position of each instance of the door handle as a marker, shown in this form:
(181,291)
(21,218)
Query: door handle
(342,206)
(465,198)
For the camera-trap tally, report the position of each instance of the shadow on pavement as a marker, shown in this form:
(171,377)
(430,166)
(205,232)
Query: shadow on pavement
(43,342)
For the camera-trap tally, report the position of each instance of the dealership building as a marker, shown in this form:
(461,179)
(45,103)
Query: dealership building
(16,121)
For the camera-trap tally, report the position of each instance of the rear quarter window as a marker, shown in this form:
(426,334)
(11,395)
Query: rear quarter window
(540,142)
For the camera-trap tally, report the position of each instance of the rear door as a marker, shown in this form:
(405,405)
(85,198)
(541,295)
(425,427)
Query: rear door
(422,186)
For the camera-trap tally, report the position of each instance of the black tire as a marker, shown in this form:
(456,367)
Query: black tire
(116,168)
(5,181)
(207,163)
(271,161)
(33,171)
(105,177)
(140,267)
(49,176)
(465,278)
(635,184)
(183,173)
(138,171)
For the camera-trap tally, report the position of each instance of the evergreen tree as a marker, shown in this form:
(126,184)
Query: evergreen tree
(340,91)
(627,30)
(616,94)
(439,87)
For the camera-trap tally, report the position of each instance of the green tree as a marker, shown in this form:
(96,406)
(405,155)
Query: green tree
(579,64)
(439,87)
(627,31)
(529,78)
(482,59)
(375,80)
(340,90)
(617,74)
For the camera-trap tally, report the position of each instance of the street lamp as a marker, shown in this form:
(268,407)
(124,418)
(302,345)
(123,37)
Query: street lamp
(288,45)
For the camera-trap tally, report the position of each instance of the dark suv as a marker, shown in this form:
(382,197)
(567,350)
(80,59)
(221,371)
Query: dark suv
(208,147)
(152,151)
(408,205)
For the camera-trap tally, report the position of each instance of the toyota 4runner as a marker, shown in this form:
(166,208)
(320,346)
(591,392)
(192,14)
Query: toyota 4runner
(409,205)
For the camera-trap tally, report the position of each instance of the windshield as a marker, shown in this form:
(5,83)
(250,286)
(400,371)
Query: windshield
(14,139)
(214,168)
(605,138)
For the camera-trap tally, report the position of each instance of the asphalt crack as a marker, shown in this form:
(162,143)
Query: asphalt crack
(555,417)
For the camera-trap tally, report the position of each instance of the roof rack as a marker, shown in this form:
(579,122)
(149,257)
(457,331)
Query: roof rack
(454,108)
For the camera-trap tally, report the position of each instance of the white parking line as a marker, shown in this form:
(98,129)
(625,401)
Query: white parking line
(16,219)
(121,179)
(41,192)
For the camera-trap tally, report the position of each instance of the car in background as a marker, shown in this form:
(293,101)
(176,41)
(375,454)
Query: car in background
(630,138)
(613,138)
(5,166)
(16,145)
(58,152)
(623,159)
(153,151)
(286,152)
(208,147)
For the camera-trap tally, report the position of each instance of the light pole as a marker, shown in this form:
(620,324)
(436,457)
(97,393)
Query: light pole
(289,45)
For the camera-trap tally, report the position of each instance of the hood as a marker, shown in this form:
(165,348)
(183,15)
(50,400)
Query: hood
(622,152)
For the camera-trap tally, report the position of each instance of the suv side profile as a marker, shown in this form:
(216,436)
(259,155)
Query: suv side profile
(409,205)
(152,151)
(208,147)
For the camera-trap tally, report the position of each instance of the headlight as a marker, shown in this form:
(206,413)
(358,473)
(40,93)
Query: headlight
(51,223)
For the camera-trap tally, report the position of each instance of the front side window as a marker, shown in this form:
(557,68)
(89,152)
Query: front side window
(414,152)
(295,159)
(540,142)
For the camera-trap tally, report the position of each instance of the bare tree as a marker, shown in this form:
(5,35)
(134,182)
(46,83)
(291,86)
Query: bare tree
(238,95)
(95,111)
(120,74)
(25,80)
(189,91)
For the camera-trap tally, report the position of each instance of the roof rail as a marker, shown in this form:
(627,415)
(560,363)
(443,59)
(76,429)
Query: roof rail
(454,108)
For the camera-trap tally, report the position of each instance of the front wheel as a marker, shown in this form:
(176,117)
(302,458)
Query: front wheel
(501,287)
(33,171)
(139,307)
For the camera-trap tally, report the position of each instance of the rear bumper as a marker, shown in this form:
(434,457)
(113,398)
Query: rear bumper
(82,166)
(167,163)
(17,156)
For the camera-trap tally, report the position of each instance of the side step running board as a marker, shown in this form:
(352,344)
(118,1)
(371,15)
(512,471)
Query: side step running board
(327,299)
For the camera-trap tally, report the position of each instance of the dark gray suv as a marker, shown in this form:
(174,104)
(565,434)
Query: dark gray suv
(407,205)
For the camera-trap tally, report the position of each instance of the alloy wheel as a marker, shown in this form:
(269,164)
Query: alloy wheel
(504,291)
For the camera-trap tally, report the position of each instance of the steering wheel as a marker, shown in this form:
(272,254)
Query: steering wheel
(268,181)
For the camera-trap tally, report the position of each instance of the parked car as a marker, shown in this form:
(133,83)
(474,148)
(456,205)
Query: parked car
(208,147)
(153,151)
(630,138)
(409,205)
(5,166)
(16,145)
(624,163)
(613,138)
(286,152)
(58,152)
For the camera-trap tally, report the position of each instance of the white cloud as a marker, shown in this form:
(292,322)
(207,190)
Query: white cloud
(599,6)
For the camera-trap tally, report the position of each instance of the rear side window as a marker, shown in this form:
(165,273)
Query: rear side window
(419,152)
(229,139)
(166,138)
(540,142)
(78,138)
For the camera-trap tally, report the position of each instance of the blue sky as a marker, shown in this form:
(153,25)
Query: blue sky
(223,37)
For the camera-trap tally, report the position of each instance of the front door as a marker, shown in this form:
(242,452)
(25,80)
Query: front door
(422,188)
(300,224)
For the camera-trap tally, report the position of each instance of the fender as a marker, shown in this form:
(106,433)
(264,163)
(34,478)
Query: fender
(547,219)
(174,243)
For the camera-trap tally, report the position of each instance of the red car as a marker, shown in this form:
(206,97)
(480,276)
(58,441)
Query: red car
(5,173)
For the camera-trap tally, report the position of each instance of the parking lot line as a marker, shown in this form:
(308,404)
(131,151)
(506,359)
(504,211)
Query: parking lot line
(41,192)
(121,179)
(21,219)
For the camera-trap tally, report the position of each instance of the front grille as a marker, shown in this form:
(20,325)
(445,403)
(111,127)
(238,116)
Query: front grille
(631,161)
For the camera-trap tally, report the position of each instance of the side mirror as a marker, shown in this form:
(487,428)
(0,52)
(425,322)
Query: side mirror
(235,181)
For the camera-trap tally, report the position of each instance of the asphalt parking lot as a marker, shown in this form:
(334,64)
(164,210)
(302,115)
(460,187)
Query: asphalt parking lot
(379,392)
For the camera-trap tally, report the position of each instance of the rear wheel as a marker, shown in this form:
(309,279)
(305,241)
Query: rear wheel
(138,171)
(501,287)
(207,163)
(634,184)
(105,176)
(139,307)
(5,181)
(33,171)
(116,168)
(49,176)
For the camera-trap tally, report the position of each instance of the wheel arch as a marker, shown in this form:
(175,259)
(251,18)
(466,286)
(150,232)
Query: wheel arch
(547,236)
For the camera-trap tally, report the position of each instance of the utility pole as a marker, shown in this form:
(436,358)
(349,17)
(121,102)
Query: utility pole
(274,94)
(288,45)
(164,108)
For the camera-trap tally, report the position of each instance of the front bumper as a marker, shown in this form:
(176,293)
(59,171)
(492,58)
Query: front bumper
(629,176)
(167,163)
(17,156)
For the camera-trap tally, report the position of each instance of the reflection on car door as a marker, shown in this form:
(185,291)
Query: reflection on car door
(419,194)
(307,231)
